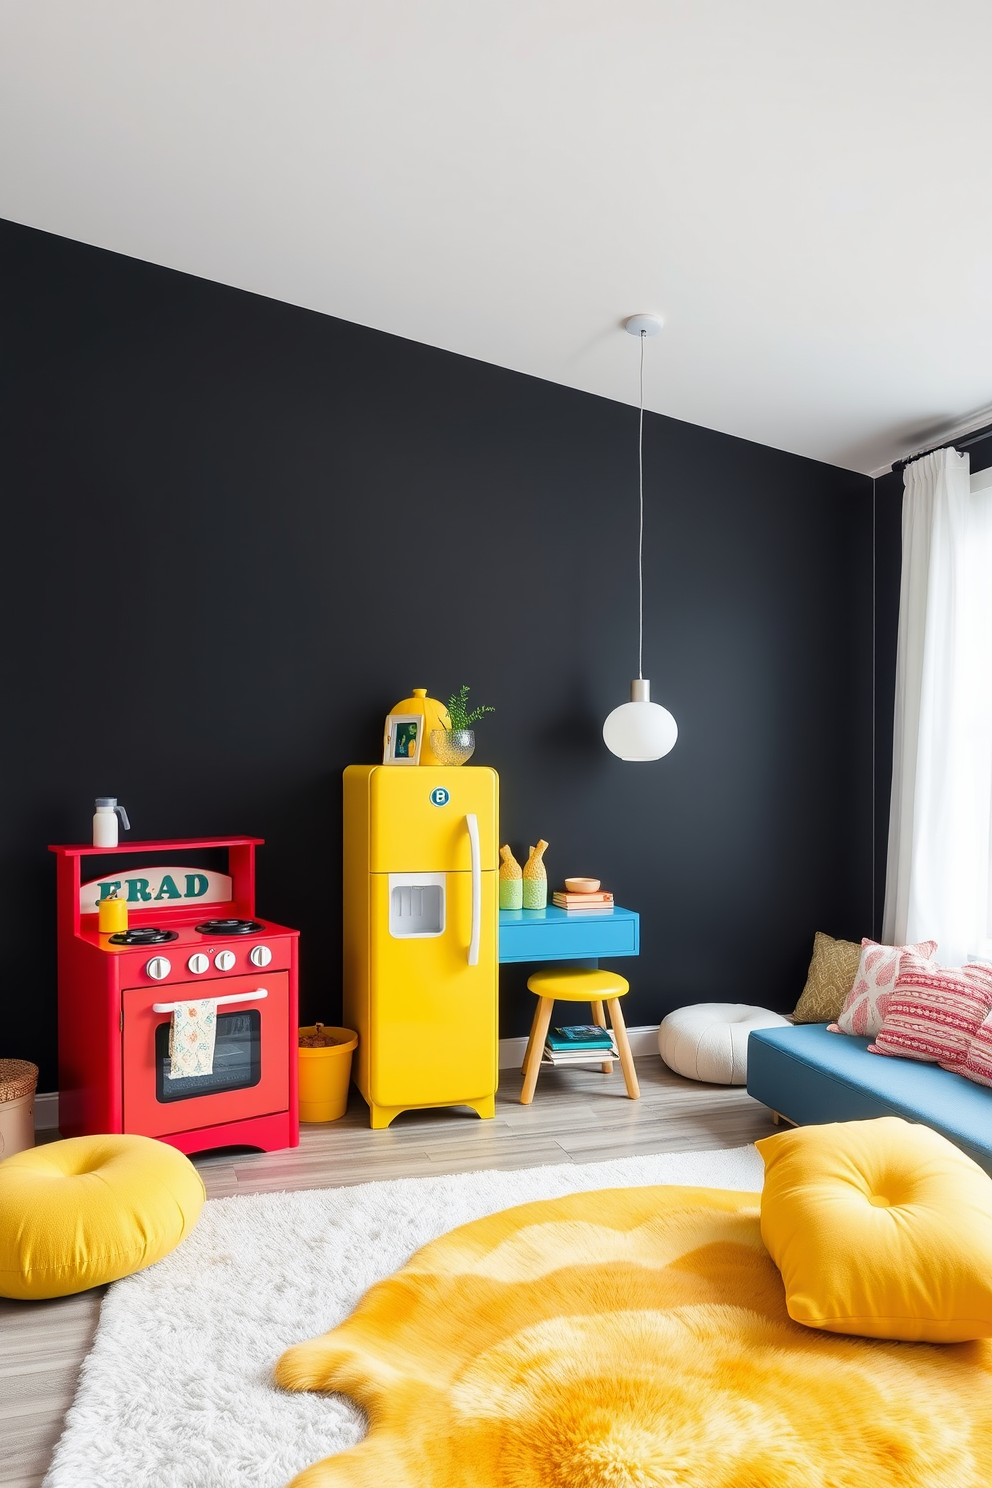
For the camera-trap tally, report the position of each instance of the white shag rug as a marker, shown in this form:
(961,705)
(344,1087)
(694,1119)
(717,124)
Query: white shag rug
(177,1390)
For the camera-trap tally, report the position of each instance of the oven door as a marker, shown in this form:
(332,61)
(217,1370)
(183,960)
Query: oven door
(251,1056)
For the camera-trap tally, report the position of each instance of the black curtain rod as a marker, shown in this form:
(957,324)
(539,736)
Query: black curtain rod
(975,437)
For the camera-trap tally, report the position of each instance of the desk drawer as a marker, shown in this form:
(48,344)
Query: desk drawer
(571,940)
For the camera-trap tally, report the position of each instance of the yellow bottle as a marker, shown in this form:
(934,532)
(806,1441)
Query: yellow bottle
(535,878)
(511,881)
(435,716)
(112,915)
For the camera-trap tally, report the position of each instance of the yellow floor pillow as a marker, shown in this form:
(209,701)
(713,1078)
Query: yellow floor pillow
(880,1228)
(78,1213)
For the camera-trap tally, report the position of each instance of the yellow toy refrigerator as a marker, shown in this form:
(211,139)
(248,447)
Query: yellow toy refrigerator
(421,935)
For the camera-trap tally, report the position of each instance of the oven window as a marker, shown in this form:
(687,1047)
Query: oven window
(237,1059)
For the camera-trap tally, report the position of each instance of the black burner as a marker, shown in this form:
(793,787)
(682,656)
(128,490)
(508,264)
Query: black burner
(230,927)
(142,935)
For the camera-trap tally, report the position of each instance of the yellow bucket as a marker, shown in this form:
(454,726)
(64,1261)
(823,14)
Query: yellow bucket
(325,1075)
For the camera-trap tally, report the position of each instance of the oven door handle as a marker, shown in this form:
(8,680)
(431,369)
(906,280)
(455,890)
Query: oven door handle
(170,1007)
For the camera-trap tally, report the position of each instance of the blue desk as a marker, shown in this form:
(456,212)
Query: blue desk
(554,934)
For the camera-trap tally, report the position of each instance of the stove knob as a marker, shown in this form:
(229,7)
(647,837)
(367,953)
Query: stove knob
(224,960)
(158,967)
(260,956)
(198,963)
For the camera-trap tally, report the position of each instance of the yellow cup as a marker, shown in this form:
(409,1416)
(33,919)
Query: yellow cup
(325,1075)
(112,916)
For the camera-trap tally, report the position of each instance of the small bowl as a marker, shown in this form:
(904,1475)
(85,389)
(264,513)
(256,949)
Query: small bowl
(582,885)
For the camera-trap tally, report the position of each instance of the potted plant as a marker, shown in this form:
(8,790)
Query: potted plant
(455,745)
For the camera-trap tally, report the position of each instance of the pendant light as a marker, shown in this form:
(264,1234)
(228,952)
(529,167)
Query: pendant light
(640,729)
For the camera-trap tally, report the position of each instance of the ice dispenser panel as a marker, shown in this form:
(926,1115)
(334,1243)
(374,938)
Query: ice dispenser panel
(416,905)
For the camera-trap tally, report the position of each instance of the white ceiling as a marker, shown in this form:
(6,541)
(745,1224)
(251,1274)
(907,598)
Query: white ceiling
(800,187)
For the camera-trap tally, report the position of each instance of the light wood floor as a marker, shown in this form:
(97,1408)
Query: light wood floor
(577,1116)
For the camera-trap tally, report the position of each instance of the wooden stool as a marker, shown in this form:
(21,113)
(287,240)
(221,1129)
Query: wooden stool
(577,984)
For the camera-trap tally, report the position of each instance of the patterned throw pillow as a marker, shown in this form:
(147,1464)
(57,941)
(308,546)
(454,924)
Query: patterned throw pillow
(977,1062)
(878,967)
(829,979)
(934,1011)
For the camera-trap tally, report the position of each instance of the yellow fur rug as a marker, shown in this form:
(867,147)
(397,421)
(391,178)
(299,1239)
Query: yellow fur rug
(632,1338)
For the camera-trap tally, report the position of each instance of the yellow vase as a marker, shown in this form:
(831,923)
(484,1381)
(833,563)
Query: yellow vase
(535,878)
(511,881)
(435,716)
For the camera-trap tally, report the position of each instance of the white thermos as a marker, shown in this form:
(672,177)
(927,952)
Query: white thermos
(105,821)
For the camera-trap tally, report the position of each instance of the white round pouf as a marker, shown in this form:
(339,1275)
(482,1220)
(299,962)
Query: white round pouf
(709,1040)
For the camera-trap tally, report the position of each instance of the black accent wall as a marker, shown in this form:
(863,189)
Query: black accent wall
(237,532)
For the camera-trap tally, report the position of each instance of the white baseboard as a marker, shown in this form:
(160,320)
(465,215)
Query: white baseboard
(643,1040)
(46,1111)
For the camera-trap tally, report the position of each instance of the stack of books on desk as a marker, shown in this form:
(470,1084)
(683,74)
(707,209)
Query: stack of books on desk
(582,1043)
(602,900)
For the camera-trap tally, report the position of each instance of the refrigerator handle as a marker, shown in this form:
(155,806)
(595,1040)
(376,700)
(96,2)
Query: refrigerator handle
(472,822)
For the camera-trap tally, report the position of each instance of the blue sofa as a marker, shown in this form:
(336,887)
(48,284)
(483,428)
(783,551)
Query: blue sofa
(811,1076)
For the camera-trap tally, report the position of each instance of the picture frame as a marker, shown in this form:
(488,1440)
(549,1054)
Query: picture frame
(403,739)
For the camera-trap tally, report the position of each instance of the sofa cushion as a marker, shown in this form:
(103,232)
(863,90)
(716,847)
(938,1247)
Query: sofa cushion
(810,1075)
(881,1229)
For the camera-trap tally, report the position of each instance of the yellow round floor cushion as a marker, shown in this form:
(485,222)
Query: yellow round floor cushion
(880,1228)
(77,1213)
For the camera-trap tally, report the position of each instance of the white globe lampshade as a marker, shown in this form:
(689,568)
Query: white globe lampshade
(640,729)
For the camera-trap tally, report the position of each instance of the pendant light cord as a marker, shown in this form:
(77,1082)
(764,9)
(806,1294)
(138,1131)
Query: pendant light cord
(640,532)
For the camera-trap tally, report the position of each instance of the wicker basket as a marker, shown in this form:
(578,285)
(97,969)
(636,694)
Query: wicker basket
(18,1079)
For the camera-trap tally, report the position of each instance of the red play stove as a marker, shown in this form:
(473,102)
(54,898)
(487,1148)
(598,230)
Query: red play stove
(192,933)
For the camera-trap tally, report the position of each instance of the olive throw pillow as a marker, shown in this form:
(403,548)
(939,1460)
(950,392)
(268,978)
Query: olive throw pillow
(829,979)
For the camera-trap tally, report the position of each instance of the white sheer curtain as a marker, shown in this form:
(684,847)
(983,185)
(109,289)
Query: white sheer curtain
(940,824)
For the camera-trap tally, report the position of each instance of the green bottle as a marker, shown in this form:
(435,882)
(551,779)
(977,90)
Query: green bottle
(511,884)
(536,878)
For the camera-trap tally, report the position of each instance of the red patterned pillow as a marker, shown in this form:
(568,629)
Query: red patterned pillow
(977,1062)
(865,1004)
(934,1011)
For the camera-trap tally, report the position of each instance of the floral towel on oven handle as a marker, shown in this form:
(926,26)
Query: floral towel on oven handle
(191,1038)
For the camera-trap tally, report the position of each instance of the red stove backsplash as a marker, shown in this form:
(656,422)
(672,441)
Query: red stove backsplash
(191,934)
